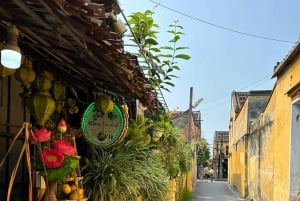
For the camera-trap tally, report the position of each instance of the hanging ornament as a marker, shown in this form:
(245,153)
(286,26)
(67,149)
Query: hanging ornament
(41,107)
(25,74)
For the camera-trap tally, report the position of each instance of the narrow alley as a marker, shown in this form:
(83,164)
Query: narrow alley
(214,191)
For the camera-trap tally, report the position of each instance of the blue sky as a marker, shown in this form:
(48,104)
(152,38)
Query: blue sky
(223,60)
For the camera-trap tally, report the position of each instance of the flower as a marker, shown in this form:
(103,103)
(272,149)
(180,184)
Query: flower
(52,158)
(40,135)
(62,126)
(64,147)
(57,155)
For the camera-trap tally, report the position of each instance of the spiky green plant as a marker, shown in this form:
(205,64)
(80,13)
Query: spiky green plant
(123,174)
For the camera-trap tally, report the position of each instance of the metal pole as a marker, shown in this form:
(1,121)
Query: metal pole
(221,157)
(218,160)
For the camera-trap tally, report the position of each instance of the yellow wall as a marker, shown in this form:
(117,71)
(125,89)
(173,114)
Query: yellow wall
(275,154)
(282,131)
(260,163)
(237,160)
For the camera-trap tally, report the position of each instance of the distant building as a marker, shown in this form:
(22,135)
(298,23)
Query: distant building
(180,120)
(220,154)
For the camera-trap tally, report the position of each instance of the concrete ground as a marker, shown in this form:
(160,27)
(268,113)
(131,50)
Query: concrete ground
(205,190)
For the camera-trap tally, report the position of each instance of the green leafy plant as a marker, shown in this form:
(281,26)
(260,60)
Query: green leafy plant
(203,153)
(123,174)
(186,195)
(161,61)
(138,134)
(249,198)
(175,151)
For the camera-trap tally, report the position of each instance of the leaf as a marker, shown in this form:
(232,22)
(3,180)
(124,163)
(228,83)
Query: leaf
(167,48)
(183,56)
(169,70)
(151,41)
(176,67)
(166,55)
(169,83)
(181,48)
(154,49)
(175,39)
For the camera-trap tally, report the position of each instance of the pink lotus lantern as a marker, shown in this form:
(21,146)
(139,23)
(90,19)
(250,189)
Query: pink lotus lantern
(52,158)
(40,135)
(64,147)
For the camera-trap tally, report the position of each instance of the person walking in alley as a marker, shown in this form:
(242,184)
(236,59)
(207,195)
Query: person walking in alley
(206,173)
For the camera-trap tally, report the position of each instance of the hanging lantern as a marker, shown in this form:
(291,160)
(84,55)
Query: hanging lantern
(104,104)
(43,83)
(41,107)
(5,72)
(25,74)
(58,90)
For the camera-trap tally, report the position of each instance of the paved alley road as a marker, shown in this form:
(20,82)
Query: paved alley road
(214,191)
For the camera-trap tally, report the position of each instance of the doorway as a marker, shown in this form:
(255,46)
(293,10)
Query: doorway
(295,148)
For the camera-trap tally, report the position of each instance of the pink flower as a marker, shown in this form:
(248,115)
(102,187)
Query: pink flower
(40,135)
(62,126)
(64,147)
(52,158)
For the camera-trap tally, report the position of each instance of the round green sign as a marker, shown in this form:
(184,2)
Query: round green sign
(104,130)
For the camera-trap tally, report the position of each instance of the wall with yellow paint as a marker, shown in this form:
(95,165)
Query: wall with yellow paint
(242,166)
(266,149)
(270,166)
(237,160)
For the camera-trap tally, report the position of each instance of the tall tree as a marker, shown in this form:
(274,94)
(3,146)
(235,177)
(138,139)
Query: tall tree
(203,153)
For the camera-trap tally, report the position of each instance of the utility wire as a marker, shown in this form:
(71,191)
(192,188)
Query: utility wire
(252,85)
(219,26)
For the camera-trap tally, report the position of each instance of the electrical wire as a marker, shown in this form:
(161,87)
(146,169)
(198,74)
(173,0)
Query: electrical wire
(252,85)
(221,27)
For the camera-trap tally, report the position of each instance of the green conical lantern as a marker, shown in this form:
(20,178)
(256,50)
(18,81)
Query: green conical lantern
(41,107)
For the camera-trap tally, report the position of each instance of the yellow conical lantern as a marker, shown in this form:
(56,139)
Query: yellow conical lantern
(43,83)
(25,74)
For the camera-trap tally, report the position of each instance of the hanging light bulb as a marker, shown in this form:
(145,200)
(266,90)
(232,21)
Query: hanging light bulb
(11,53)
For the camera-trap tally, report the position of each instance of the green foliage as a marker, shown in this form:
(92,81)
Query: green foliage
(175,151)
(161,60)
(123,174)
(138,132)
(203,153)
(136,167)
(186,195)
(58,174)
(249,198)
